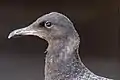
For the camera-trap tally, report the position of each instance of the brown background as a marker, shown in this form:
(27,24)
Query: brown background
(97,22)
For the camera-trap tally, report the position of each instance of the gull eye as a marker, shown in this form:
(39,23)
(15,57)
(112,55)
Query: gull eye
(48,24)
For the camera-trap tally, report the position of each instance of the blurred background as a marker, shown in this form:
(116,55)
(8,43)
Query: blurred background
(97,22)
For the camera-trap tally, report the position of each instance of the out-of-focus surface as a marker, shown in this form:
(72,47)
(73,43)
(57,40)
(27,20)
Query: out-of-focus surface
(97,22)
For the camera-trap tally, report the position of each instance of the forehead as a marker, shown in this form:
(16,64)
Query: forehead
(56,18)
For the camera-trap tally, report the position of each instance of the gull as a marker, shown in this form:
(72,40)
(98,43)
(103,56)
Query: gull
(62,61)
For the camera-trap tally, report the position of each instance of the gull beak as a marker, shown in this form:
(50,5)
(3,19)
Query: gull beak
(23,31)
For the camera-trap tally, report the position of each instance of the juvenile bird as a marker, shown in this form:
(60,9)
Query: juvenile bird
(62,61)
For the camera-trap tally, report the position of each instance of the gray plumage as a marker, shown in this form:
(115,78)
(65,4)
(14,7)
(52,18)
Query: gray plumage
(62,61)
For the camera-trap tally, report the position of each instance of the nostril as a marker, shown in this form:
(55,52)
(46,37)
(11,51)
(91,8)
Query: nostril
(17,36)
(17,32)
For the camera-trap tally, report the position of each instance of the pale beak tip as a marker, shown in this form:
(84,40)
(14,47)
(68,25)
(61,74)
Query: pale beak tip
(9,36)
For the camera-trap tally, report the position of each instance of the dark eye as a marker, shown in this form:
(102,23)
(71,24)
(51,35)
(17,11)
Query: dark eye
(48,24)
(45,24)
